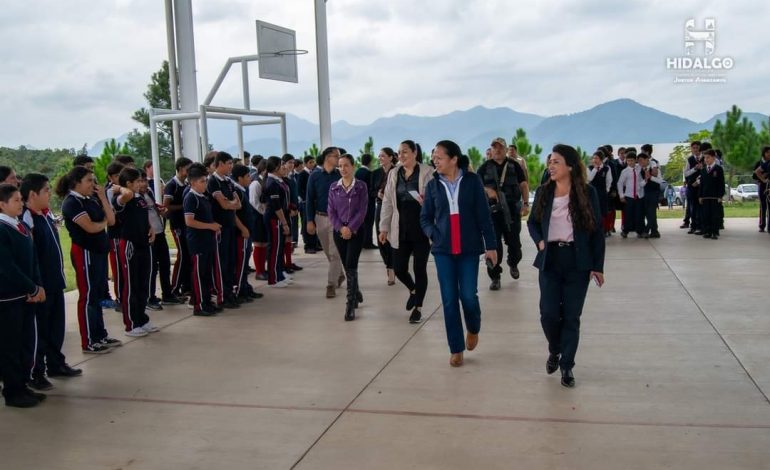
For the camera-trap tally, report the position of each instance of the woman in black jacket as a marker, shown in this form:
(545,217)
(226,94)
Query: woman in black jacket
(566,226)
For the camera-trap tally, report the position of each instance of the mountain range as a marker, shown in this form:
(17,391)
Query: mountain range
(616,122)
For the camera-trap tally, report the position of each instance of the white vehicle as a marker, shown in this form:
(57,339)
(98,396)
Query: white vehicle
(745,192)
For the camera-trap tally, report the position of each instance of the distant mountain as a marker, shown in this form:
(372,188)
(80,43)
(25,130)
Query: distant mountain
(614,122)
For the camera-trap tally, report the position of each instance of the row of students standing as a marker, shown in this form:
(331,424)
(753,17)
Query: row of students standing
(705,183)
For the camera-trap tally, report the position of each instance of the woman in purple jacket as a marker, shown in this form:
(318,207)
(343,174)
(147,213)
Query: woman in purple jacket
(347,211)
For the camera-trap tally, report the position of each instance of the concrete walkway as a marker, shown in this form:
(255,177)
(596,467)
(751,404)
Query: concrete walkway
(673,371)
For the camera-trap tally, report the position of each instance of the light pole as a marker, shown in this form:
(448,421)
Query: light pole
(322,57)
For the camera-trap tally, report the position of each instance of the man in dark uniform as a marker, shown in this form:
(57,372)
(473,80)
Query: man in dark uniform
(365,174)
(761,175)
(691,173)
(508,194)
(224,203)
(712,189)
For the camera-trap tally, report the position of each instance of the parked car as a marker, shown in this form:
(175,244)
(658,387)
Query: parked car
(680,195)
(745,192)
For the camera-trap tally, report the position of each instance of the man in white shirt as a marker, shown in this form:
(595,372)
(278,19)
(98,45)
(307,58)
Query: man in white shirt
(631,190)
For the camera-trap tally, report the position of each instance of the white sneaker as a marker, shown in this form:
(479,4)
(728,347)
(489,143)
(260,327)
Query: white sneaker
(150,328)
(279,285)
(288,276)
(137,332)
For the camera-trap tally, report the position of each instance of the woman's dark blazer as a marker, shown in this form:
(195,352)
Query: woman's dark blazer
(589,246)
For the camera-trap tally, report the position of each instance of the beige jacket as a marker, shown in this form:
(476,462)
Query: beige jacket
(389,212)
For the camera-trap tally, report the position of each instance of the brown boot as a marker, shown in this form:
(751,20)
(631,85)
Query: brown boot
(456,360)
(331,292)
(471,341)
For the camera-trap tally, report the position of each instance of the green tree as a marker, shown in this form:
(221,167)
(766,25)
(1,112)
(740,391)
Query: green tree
(158,95)
(532,155)
(110,150)
(673,171)
(476,157)
(313,151)
(739,142)
(583,155)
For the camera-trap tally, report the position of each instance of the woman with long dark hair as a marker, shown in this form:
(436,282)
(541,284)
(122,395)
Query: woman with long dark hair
(566,226)
(456,217)
(388,160)
(400,223)
(87,214)
(348,201)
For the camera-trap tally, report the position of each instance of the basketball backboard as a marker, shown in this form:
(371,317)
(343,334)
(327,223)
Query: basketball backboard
(277,49)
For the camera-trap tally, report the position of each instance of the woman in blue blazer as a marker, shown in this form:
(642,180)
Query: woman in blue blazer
(455,216)
(566,226)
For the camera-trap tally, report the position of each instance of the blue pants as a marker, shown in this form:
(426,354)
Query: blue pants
(458,280)
(562,294)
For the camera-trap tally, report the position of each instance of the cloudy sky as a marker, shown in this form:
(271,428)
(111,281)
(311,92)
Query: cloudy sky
(74,71)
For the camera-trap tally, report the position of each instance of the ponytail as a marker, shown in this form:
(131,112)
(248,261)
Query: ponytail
(67,182)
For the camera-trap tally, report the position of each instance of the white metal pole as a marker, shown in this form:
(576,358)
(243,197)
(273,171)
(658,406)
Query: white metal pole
(172,83)
(155,157)
(204,145)
(188,85)
(322,54)
(240,138)
(284,140)
(245,80)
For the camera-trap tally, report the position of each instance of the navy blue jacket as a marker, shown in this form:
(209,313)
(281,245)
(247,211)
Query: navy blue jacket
(477,233)
(589,246)
(19,271)
(45,236)
(318,186)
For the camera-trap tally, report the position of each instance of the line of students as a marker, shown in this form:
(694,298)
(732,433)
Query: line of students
(705,182)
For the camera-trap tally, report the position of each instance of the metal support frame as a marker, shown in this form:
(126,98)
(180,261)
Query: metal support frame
(156,116)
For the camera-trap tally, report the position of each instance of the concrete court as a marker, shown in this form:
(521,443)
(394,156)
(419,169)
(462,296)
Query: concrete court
(673,371)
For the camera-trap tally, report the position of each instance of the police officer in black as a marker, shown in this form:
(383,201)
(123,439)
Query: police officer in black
(508,194)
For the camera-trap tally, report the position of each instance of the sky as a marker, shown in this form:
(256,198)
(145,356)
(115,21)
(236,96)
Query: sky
(73,72)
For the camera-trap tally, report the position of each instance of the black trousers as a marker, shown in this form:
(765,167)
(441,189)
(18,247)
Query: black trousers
(227,260)
(512,238)
(136,263)
(634,220)
(161,264)
(386,252)
(369,222)
(181,278)
(350,251)
(310,241)
(562,294)
(419,250)
(650,202)
(16,318)
(693,208)
(763,204)
(711,216)
(50,320)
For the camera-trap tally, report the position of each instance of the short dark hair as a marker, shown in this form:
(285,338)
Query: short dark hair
(327,151)
(710,152)
(706,146)
(765,149)
(695,142)
(513,146)
(643,155)
(128,175)
(239,170)
(366,159)
(32,182)
(273,163)
(222,157)
(115,168)
(125,159)
(287,157)
(5,172)
(6,191)
(197,171)
(308,159)
(208,160)
(182,162)
(647,148)
(255,159)
(82,160)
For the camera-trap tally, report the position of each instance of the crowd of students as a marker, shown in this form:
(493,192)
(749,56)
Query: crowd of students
(224,213)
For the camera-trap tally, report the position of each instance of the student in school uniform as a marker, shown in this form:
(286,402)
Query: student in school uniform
(650,172)
(161,260)
(173,197)
(113,232)
(135,255)
(712,190)
(631,191)
(259,231)
(276,198)
(202,232)
(291,183)
(87,214)
(50,317)
(20,289)
(224,203)
(8,176)
(244,219)
(600,177)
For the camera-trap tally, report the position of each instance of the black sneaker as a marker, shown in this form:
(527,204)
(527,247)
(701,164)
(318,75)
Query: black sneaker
(40,397)
(416,316)
(39,382)
(172,300)
(255,295)
(111,342)
(96,348)
(296,267)
(244,299)
(154,304)
(204,313)
(552,364)
(567,379)
(213,308)
(22,401)
(410,302)
(515,272)
(64,371)
(231,304)
(495,285)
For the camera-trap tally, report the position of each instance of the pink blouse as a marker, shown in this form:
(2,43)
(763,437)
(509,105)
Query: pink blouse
(560,228)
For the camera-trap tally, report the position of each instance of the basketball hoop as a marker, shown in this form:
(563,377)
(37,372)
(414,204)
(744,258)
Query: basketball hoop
(286,52)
